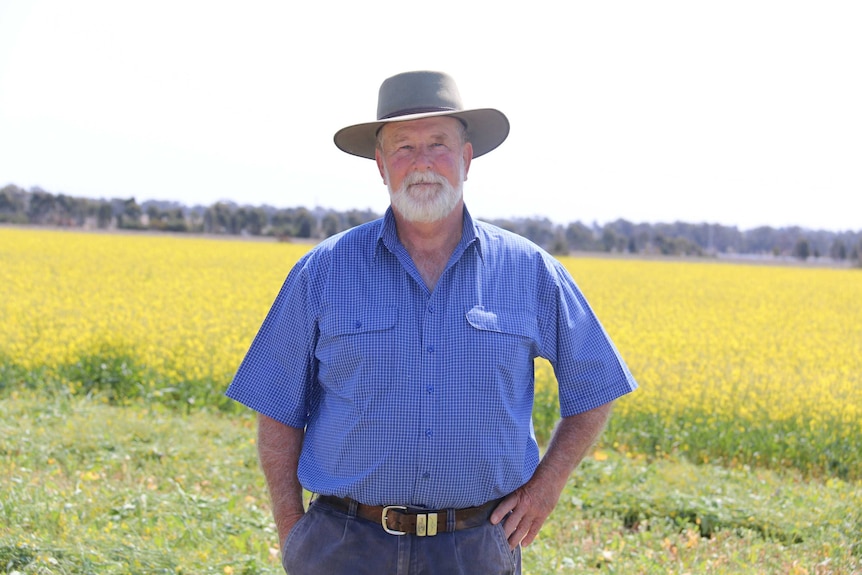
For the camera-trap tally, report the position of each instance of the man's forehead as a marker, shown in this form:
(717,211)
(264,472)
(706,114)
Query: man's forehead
(437,126)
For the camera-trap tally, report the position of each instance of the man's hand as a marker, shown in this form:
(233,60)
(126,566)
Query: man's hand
(285,525)
(278,449)
(528,507)
(525,511)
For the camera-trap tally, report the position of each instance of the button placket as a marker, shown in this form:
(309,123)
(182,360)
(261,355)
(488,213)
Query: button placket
(430,373)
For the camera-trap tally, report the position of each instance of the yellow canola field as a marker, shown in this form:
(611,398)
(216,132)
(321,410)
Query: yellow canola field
(741,363)
(184,307)
(748,363)
(780,343)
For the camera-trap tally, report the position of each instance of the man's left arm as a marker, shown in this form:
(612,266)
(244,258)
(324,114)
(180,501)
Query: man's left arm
(532,503)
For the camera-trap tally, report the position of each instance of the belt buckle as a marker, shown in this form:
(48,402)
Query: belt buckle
(383,516)
(426,524)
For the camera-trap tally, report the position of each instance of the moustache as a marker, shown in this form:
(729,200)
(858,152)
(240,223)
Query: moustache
(419,178)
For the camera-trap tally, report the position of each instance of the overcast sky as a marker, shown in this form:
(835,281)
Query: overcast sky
(742,113)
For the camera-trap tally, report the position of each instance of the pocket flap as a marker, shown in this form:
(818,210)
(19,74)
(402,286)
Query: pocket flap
(511,321)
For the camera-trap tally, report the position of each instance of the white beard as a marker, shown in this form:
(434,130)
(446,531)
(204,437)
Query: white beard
(426,203)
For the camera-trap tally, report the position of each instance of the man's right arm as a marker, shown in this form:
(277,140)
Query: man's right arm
(278,447)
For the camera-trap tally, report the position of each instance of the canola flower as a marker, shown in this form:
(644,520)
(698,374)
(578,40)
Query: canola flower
(748,365)
(182,308)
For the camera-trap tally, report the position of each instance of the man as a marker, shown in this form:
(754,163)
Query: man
(393,375)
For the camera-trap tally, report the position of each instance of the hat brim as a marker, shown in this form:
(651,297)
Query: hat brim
(487,128)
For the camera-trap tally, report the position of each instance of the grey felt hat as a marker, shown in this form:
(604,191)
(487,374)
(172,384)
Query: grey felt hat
(415,95)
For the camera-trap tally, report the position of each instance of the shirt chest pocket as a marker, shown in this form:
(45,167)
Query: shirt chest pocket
(356,345)
(509,334)
(347,321)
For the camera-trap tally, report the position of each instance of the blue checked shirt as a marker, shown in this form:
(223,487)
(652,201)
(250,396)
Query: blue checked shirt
(420,398)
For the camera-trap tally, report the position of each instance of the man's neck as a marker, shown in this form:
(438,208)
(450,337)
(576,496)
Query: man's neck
(431,244)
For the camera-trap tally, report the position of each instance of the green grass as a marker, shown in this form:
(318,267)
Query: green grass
(90,487)
(117,376)
(829,449)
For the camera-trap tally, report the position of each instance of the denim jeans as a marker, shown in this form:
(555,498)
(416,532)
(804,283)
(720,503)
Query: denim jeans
(328,541)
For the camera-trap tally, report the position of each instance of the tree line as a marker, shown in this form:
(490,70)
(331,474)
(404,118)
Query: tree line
(39,207)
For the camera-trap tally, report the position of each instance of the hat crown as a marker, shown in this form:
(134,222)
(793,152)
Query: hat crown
(423,94)
(417,93)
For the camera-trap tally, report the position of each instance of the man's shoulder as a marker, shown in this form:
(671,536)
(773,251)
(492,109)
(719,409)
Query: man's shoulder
(353,241)
(503,240)
(506,250)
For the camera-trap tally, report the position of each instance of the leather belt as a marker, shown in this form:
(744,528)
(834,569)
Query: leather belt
(404,520)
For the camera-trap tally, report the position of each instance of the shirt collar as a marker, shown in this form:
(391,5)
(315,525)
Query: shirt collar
(387,237)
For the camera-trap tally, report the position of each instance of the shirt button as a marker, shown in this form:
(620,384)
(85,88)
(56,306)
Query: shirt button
(428,433)
(431,308)
(426,475)
(357,324)
(430,389)
(430,349)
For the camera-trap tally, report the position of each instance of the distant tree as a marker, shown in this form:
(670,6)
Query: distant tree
(856,252)
(168,220)
(282,223)
(12,207)
(154,218)
(304,223)
(609,239)
(195,220)
(104,215)
(678,238)
(71,211)
(540,231)
(237,221)
(663,244)
(726,239)
(217,219)
(761,240)
(330,224)
(357,217)
(559,246)
(255,221)
(209,221)
(802,249)
(41,206)
(223,214)
(580,237)
(14,195)
(354,218)
(130,218)
(838,251)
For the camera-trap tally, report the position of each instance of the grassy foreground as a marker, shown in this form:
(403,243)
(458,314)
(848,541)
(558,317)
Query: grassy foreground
(86,487)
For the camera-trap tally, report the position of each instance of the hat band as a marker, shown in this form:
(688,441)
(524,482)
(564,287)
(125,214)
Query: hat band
(410,111)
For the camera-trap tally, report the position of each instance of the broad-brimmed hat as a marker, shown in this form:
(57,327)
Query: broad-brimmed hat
(423,94)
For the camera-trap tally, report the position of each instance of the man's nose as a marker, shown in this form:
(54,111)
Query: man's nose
(422,158)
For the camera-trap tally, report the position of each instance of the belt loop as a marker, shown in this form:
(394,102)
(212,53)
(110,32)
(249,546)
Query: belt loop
(450,519)
(351,510)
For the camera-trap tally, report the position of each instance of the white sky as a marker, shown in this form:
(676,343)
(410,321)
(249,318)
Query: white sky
(739,112)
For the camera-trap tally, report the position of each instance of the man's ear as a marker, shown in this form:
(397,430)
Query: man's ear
(379,159)
(468,157)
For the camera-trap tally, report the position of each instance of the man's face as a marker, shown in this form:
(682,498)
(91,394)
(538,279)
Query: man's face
(424,164)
